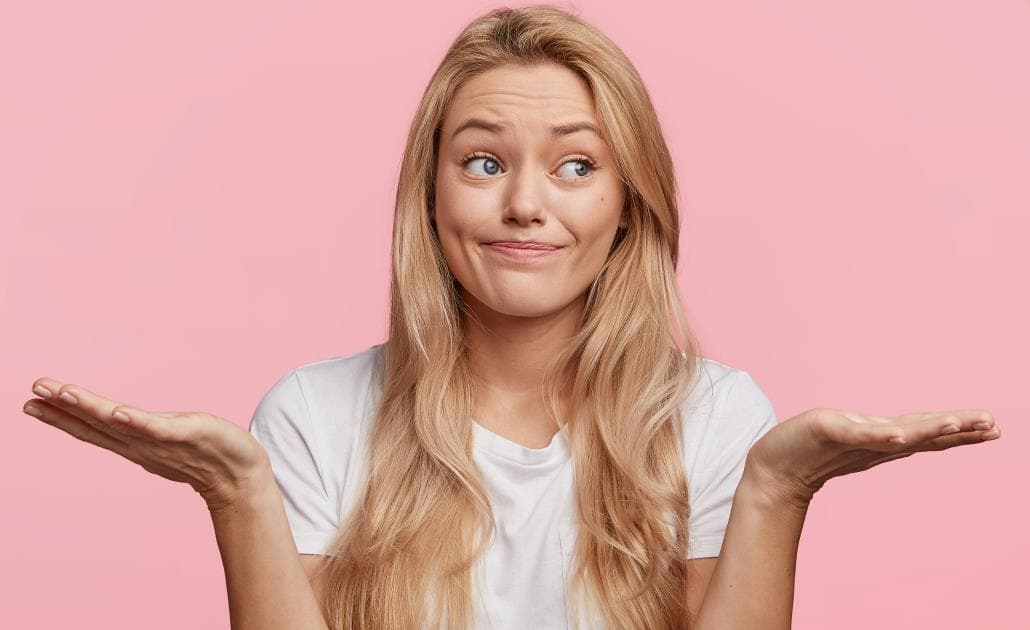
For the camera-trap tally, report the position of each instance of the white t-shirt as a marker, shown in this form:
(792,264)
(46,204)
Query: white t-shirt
(315,423)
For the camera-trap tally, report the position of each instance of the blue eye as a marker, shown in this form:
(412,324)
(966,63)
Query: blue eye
(582,166)
(493,167)
(581,170)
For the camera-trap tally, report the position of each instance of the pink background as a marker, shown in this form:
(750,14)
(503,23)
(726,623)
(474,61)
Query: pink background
(196,197)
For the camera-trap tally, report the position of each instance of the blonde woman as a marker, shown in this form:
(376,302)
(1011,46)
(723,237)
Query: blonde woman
(539,442)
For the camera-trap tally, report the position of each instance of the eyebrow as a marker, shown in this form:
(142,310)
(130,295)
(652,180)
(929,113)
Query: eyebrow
(556,131)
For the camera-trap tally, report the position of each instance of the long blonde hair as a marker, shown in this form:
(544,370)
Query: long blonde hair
(403,557)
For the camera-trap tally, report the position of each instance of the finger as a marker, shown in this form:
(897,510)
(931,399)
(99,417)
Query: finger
(946,423)
(150,425)
(74,399)
(90,407)
(973,419)
(958,439)
(51,392)
(860,463)
(868,435)
(74,426)
(965,419)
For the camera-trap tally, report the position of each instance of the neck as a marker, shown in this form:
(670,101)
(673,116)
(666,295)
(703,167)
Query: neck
(509,354)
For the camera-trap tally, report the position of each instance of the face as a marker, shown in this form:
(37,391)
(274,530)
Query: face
(519,163)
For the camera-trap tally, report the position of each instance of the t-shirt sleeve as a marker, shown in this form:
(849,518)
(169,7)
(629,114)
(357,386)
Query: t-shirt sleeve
(740,417)
(282,424)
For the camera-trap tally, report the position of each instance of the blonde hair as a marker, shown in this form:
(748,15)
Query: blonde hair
(404,556)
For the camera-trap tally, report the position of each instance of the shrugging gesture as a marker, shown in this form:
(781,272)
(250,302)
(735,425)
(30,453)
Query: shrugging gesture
(795,458)
(215,457)
(753,582)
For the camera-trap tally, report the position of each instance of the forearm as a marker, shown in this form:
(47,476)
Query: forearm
(753,582)
(265,581)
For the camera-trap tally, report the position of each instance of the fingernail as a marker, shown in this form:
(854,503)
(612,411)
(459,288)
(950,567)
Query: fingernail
(951,428)
(33,410)
(68,398)
(982,425)
(42,391)
(993,434)
(121,417)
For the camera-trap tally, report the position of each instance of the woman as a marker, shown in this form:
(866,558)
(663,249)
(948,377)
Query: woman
(539,442)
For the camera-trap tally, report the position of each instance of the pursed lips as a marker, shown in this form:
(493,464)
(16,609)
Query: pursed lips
(523,250)
(524,245)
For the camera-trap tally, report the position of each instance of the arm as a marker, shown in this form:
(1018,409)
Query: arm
(753,582)
(266,583)
(699,575)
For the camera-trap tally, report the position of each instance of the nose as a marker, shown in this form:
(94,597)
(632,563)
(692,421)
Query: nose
(525,204)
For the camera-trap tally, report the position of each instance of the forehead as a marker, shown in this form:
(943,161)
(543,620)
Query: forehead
(542,94)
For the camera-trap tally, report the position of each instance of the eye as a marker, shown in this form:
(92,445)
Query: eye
(582,167)
(489,164)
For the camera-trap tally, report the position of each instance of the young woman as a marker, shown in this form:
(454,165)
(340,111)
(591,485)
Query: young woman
(539,442)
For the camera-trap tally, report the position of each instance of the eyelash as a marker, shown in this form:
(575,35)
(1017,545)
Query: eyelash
(579,158)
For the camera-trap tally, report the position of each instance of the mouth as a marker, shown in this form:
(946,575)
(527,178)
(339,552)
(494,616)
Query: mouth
(523,251)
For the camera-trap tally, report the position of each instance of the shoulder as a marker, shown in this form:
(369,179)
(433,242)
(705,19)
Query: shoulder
(313,424)
(725,411)
(339,378)
(715,384)
(320,393)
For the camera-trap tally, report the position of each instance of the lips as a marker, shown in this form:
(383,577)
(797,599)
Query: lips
(525,245)
(523,252)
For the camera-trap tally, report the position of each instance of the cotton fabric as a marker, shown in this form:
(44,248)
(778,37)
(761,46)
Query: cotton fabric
(315,423)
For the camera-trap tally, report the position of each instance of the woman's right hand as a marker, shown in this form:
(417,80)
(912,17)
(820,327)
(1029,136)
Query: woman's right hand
(217,458)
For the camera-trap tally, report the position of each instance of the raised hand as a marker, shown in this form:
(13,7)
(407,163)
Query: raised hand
(797,456)
(217,458)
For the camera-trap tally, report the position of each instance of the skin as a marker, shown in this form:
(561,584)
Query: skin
(830,443)
(536,189)
(783,470)
(527,185)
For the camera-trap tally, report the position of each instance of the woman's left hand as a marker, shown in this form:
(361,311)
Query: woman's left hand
(797,456)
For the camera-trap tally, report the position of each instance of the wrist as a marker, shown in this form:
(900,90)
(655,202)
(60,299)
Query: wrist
(246,491)
(770,491)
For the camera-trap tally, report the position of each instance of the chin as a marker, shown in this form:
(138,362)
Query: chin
(525,306)
(524,310)
(518,300)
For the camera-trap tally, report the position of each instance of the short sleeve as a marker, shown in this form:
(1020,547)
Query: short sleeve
(740,417)
(282,425)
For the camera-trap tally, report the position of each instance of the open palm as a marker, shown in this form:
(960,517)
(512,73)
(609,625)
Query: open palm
(214,456)
(800,454)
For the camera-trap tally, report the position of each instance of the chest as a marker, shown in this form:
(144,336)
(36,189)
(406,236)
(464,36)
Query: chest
(522,581)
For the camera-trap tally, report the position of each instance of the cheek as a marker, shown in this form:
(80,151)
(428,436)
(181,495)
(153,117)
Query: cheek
(594,224)
(457,225)
(459,205)
(453,233)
